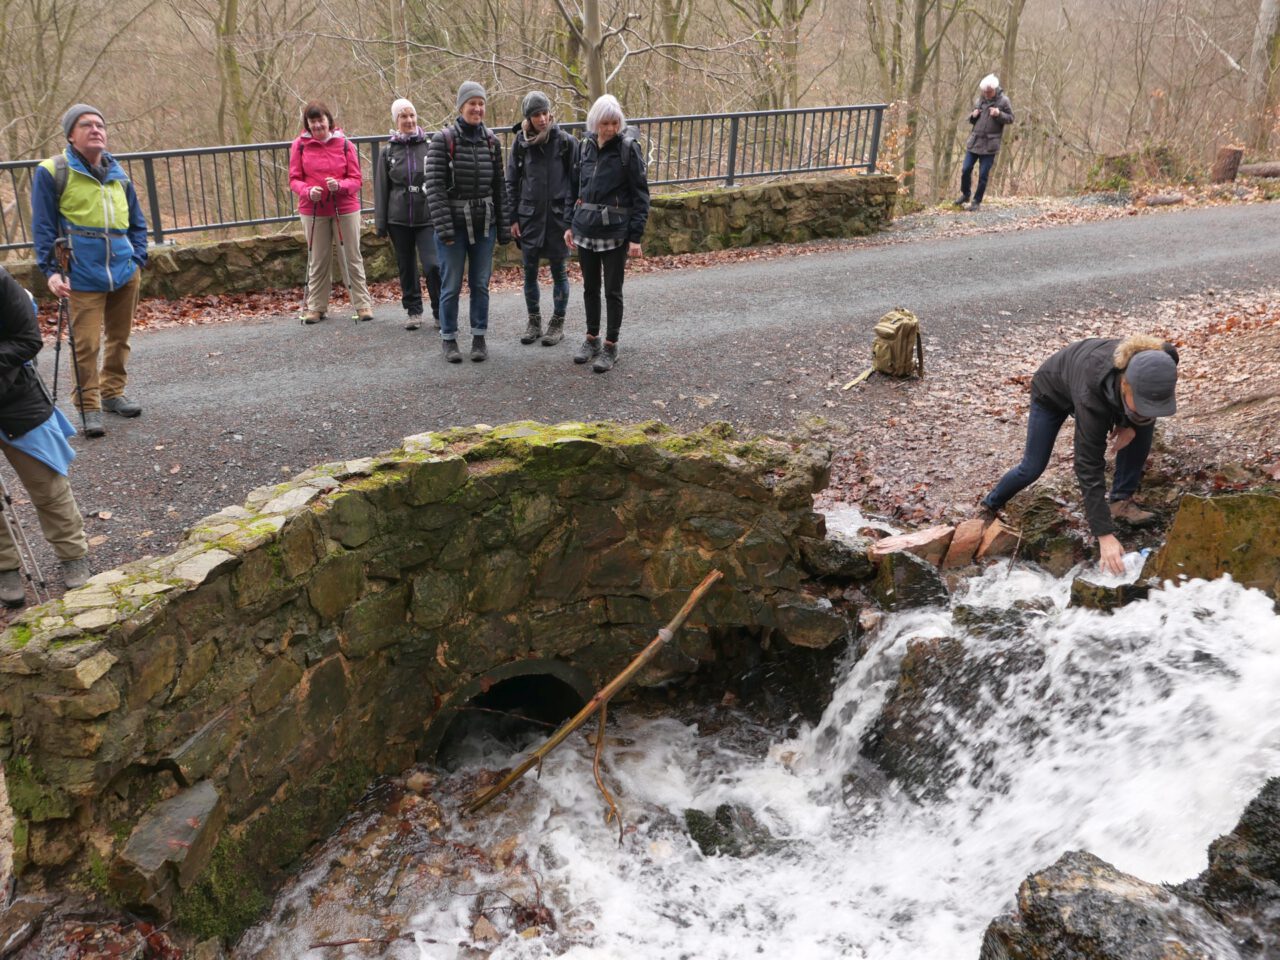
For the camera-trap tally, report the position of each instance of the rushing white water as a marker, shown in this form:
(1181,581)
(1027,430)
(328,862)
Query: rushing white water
(1155,725)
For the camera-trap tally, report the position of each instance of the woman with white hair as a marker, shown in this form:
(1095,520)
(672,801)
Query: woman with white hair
(991,114)
(610,209)
(400,211)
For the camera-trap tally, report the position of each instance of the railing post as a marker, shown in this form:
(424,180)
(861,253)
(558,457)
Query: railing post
(733,151)
(875,138)
(153,200)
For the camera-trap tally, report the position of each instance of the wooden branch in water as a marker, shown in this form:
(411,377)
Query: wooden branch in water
(613,812)
(603,696)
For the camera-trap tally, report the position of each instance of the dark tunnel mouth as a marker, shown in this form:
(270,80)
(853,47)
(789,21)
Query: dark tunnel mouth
(513,702)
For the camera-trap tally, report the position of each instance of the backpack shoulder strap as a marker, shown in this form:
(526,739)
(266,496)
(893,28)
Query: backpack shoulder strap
(61,173)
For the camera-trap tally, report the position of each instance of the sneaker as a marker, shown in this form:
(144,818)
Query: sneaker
(533,331)
(414,322)
(93,424)
(960,202)
(606,359)
(312,316)
(589,350)
(451,352)
(364,314)
(973,207)
(1130,513)
(479,352)
(555,331)
(121,406)
(435,320)
(13,592)
(75,573)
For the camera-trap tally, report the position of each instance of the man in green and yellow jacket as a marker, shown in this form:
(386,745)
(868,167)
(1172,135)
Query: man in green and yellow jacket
(84,196)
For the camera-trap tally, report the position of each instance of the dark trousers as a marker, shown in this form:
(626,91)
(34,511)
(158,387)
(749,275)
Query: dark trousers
(1043,425)
(612,264)
(985,162)
(559,283)
(414,245)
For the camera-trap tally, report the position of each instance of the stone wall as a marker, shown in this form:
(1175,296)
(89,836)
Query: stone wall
(792,211)
(179,730)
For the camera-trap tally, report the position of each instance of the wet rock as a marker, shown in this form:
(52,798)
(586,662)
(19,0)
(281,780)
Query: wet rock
(929,544)
(1049,538)
(1000,623)
(1085,909)
(1244,865)
(1095,596)
(903,580)
(837,557)
(944,686)
(732,831)
(1212,536)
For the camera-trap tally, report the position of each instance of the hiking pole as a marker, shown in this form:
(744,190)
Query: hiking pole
(62,253)
(18,537)
(306,280)
(342,255)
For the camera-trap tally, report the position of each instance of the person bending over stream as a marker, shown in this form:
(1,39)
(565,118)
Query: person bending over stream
(1115,389)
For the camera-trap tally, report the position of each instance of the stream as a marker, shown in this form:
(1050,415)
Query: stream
(1151,728)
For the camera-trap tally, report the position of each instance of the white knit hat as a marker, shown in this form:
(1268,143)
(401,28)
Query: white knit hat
(990,81)
(399,105)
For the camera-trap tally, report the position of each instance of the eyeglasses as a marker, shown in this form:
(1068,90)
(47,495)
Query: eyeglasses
(90,125)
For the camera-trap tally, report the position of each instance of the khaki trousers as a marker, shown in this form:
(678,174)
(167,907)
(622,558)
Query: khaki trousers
(322,239)
(103,322)
(56,508)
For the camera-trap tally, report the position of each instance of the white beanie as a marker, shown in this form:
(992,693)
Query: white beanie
(399,105)
(990,81)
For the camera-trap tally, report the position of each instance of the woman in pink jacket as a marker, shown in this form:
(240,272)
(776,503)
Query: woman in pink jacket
(324,171)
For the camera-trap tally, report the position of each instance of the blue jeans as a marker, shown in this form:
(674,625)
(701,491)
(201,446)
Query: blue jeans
(1043,425)
(479,266)
(559,284)
(985,162)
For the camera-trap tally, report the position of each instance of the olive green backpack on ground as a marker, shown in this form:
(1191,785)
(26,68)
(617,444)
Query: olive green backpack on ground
(898,349)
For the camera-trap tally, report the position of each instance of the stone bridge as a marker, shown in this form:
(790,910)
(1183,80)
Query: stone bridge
(178,731)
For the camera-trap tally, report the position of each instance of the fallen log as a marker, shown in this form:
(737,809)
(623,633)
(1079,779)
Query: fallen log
(1269,169)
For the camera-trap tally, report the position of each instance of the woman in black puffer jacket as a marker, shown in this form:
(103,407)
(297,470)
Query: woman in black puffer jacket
(610,210)
(400,211)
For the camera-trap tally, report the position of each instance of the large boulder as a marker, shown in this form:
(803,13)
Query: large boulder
(1083,908)
(1211,536)
(1244,865)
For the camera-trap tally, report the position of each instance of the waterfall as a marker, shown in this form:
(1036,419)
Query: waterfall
(1138,735)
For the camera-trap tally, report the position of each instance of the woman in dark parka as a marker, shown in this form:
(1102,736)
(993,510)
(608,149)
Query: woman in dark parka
(400,211)
(611,208)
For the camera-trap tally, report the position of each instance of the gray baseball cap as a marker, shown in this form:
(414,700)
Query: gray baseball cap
(1152,375)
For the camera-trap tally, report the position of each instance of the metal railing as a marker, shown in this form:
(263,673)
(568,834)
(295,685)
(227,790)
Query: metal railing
(222,188)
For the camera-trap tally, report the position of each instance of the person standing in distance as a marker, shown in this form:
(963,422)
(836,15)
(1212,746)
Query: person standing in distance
(85,198)
(990,115)
(466,194)
(539,171)
(1115,389)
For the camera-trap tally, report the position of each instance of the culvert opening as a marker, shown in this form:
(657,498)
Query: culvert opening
(508,716)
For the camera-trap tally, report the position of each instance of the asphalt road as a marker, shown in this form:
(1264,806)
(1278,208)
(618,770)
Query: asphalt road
(231,406)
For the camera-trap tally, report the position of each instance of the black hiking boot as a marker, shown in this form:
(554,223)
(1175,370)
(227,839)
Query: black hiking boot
(479,352)
(555,331)
(607,357)
(960,202)
(533,331)
(451,351)
(589,350)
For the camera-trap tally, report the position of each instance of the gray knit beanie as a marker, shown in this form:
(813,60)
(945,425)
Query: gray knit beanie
(535,101)
(75,113)
(468,90)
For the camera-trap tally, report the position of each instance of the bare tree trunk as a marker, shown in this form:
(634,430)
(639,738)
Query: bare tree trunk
(592,33)
(1264,69)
